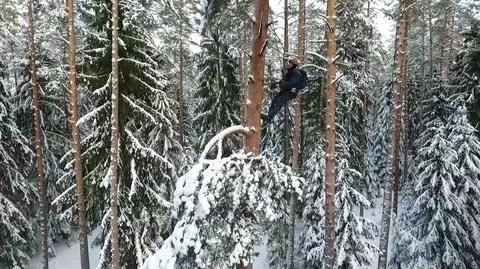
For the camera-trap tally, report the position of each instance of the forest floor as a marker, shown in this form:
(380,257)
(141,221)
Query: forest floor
(68,255)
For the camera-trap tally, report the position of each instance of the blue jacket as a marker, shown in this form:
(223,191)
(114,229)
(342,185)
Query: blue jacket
(292,79)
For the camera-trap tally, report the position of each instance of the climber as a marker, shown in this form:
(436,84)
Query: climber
(294,79)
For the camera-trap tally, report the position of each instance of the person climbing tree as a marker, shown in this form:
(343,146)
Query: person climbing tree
(294,79)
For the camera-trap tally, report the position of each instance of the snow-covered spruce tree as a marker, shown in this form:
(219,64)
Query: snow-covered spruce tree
(380,136)
(221,205)
(467,144)
(176,24)
(443,228)
(219,86)
(148,150)
(312,237)
(52,79)
(467,71)
(17,191)
(354,28)
(433,239)
(354,232)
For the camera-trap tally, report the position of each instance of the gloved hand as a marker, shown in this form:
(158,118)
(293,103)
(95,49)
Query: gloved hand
(273,83)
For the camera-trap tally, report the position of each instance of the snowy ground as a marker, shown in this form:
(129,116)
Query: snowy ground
(69,257)
(375,215)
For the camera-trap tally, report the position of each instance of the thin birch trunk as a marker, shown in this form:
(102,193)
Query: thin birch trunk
(42,184)
(81,201)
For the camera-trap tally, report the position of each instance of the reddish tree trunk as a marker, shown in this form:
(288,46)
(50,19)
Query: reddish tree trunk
(42,184)
(255,91)
(81,204)
(402,100)
(329,253)
(393,184)
(257,66)
(286,118)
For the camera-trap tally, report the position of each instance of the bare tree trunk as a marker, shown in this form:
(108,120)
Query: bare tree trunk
(255,91)
(181,121)
(447,37)
(423,66)
(115,139)
(242,60)
(403,91)
(286,116)
(430,47)
(81,201)
(329,252)
(400,62)
(297,140)
(15,76)
(285,33)
(42,184)
(244,74)
(257,66)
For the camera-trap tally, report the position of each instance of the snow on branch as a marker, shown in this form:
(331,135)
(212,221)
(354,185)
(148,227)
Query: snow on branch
(63,194)
(218,139)
(219,206)
(92,114)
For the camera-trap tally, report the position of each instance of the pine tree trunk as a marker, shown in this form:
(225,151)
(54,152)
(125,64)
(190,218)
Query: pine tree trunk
(430,47)
(81,201)
(298,134)
(241,71)
(445,52)
(392,184)
(257,66)
(15,76)
(115,139)
(180,99)
(403,92)
(244,75)
(329,252)
(255,91)
(286,114)
(42,184)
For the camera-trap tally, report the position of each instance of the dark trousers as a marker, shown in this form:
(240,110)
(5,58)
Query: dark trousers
(279,101)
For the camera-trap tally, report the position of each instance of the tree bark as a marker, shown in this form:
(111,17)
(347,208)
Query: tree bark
(242,69)
(298,134)
(445,53)
(286,116)
(180,99)
(430,45)
(81,201)
(402,101)
(255,91)
(400,67)
(115,139)
(42,184)
(257,67)
(329,253)
(15,76)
